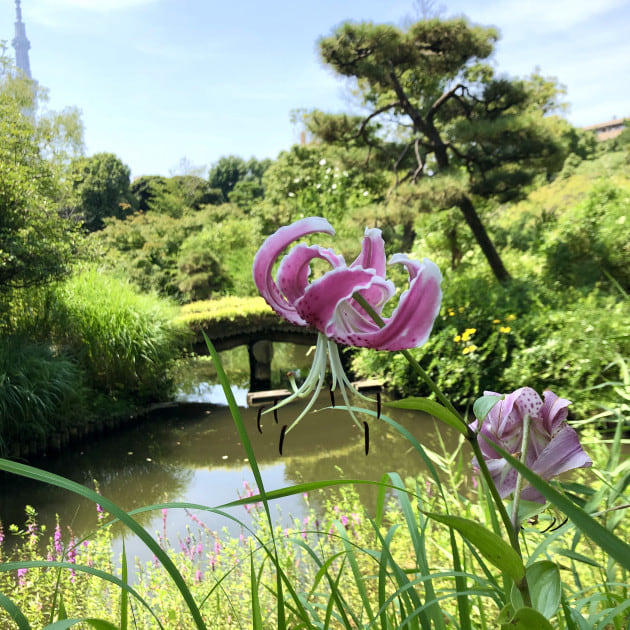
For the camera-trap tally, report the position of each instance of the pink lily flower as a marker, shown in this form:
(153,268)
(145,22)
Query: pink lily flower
(327,303)
(553,446)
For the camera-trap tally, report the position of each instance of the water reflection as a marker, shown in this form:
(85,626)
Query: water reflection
(193,454)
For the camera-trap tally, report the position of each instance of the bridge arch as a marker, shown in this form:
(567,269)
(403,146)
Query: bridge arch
(232,322)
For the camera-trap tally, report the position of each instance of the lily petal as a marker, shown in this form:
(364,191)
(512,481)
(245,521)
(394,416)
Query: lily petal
(294,268)
(555,411)
(267,256)
(320,301)
(563,453)
(411,321)
(372,254)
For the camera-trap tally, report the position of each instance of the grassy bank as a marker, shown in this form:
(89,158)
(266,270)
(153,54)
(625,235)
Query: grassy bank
(87,349)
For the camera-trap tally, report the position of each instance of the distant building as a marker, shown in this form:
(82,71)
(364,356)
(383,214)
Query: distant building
(20,43)
(608,130)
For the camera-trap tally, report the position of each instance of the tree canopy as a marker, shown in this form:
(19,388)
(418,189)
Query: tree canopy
(100,188)
(35,242)
(441,120)
(239,181)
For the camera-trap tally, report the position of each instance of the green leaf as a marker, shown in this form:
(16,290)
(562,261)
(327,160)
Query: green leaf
(433,408)
(483,405)
(526,509)
(523,619)
(62,610)
(545,588)
(16,614)
(124,595)
(491,546)
(574,555)
(611,544)
(256,614)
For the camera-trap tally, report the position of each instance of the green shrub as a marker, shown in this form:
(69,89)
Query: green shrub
(498,338)
(593,241)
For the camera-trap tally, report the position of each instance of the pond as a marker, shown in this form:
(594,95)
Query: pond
(191,452)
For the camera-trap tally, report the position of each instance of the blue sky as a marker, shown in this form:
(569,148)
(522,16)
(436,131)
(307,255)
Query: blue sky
(170,84)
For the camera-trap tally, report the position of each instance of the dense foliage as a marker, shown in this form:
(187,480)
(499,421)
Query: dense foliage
(442,131)
(444,138)
(36,245)
(561,322)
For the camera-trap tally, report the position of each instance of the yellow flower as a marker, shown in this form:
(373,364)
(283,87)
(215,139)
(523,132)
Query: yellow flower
(469,349)
(457,338)
(496,321)
(510,318)
(504,329)
(467,334)
(461,309)
(451,312)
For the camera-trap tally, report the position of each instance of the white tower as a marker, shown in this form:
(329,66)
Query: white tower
(21,44)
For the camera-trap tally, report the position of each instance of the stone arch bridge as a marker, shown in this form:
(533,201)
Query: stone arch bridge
(232,322)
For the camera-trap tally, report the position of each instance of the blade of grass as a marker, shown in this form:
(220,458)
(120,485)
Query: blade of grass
(124,595)
(35,564)
(251,457)
(356,572)
(417,535)
(61,482)
(256,614)
(14,611)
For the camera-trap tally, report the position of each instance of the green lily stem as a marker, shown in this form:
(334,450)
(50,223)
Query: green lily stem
(472,438)
(432,386)
(527,421)
(512,531)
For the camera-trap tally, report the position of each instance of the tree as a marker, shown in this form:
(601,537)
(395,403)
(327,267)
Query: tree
(441,119)
(238,180)
(195,191)
(320,180)
(100,188)
(146,189)
(36,244)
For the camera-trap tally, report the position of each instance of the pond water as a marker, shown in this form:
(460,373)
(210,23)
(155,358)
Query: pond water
(192,453)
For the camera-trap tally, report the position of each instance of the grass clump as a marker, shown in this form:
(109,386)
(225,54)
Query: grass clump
(41,392)
(125,341)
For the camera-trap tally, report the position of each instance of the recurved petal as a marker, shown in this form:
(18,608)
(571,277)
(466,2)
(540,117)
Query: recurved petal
(321,299)
(372,254)
(269,253)
(412,320)
(554,411)
(508,420)
(564,452)
(294,268)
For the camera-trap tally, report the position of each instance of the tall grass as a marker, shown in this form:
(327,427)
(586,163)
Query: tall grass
(40,391)
(125,341)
